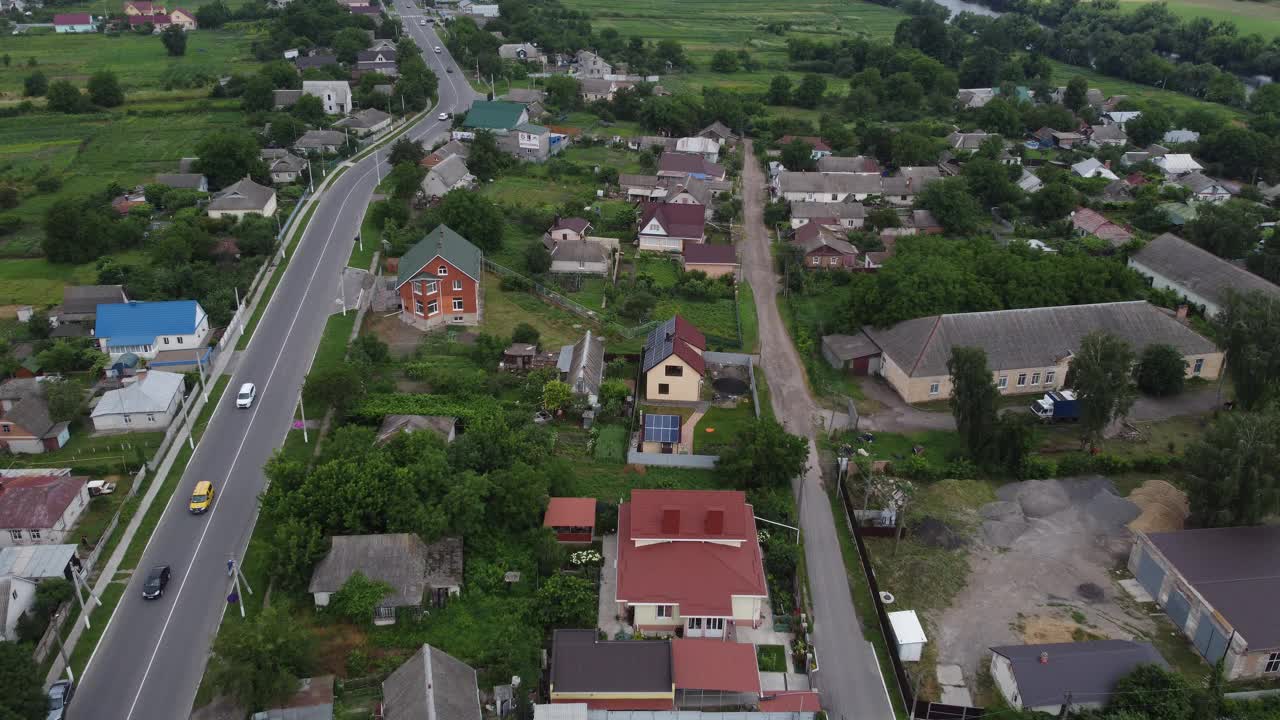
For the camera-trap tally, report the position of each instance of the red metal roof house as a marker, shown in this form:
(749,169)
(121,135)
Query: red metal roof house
(689,561)
(572,519)
(39,507)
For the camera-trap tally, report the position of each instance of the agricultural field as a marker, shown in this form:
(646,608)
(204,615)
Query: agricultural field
(1262,18)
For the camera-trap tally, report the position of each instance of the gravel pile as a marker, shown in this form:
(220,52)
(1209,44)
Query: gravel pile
(1091,501)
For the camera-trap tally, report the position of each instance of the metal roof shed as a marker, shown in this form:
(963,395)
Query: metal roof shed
(909,633)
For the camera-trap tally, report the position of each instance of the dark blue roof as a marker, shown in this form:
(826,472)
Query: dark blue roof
(144,321)
(662,428)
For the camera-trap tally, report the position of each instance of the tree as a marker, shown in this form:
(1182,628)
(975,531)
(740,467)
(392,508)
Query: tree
(989,181)
(537,258)
(405,180)
(23,697)
(763,454)
(1228,230)
(405,150)
(724,61)
(1077,94)
(213,16)
(567,601)
(1151,691)
(65,400)
(1161,370)
(104,89)
(779,90)
(227,156)
(348,43)
(563,92)
(64,97)
(1054,201)
(797,156)
(258,95)
(340,387)
(258,662)
(485,159)
(296,547)
(310,110)
(73,231)
(810,91)
(35,85)
(525,333)
(471,215)
(973,399)
(1149,127)
(1231,470)
(175,41)
(911,148)
(1101,373)
(953,204)
(556,396)
(358,598)
(1248,329)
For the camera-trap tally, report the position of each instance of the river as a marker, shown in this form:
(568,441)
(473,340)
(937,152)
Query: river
(958,6)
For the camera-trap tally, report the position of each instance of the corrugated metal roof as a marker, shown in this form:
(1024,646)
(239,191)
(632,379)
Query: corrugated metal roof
(35,562)
(148,319)
(1198,270)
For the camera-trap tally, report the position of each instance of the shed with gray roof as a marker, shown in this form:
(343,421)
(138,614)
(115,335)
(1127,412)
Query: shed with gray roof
(1198,275)
(244,197)
(431,685)
(1043,677)
(1028,349)
(419,574)
(148,403)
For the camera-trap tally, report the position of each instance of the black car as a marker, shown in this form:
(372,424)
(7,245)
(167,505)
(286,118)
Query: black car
(59,698)
(156,580)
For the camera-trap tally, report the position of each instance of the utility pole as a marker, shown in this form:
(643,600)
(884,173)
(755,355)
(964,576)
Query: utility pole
(302,408)
(310,178)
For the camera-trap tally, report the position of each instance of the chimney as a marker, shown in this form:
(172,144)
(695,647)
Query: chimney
(1182,314)
(714,524)
(671,521)
(1044,658)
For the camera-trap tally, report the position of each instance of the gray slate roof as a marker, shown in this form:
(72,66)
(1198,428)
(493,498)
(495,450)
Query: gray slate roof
(183,181)
(367,118)
(814,182)
(1029,337)
(1237,570)
(837,211)
(401,560)
(1199,270)
(446,243)
(243,195)
(283,161)
(586,365)
(31,412)
(431,685)
(153,393)
(316,139)
(848,347)
(1087,670)
(285,98)
(587,251)
(35,562)
(447,175)
(856,164)
(393,425)
(525,95)
(85,299)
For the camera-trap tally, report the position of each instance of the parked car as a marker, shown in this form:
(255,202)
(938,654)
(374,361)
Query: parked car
(442,116)
(100,487)
(156,581)
(244,399)
(201,497)
(59,698)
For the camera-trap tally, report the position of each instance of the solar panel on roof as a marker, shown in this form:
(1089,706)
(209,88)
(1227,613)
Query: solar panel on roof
(662,428)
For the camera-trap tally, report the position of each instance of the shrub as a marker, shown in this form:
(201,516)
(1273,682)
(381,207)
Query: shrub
(1074,464)
(961,469)
(1105,464)
(1035,467)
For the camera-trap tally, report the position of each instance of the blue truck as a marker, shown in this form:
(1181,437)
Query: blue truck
(1057,406)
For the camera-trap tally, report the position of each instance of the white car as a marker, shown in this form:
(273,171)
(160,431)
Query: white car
(422,22)
(438,50)
(246,396)
(442,116)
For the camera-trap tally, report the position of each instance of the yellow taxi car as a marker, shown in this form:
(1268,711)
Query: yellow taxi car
(202,497)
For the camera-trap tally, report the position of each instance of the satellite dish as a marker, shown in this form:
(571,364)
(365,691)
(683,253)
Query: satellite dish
(886,597)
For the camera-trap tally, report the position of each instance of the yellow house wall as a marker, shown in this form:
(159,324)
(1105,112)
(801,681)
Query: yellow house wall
(647,615)
(746,609)
(713,271)
(685,387)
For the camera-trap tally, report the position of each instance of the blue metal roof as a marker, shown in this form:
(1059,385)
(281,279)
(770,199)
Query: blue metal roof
(138,323)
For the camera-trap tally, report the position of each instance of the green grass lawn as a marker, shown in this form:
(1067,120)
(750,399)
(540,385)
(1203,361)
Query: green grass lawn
(610,481)
(84,450)
(772,658)
(101,509)
(764,394)
(522,190)
(611,444)
(1262,18)
(333,343)
(504,310)
(747,316)
(720,427)
(661,268)
(370,242)
(938,445)
(39,283)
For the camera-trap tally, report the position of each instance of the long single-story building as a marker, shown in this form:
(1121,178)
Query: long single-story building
(1028,349)
(1169,262)
(1040,678)
(1219,586)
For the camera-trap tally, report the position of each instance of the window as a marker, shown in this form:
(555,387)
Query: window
(1035,378)
(15,534)
(715,623)
(1022,379)
(1003,382)
(417,307)
(151,417)
(457,304)
(166,341)
(1273,663)
(179,339)
(35,534)
(673,371)
(432,287)
(416,286)
(664,389)
(457,284)
(128,420)
(433,307)
(442,270)
(834,198)
(1049,375)
(6,427)
(664,611)
(1198,366)
(816,260)
(935,388)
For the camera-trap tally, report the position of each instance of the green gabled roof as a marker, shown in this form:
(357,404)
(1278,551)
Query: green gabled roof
(493,115)
(446,243)
(32,363)
(533,129)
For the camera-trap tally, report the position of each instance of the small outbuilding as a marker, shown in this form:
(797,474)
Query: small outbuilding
(1042,678)
(572,519)
(855,353)
(909,633)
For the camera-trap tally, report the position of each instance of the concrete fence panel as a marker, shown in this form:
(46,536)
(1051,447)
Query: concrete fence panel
(703,462)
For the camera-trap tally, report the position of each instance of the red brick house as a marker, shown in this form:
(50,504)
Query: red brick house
(439,281)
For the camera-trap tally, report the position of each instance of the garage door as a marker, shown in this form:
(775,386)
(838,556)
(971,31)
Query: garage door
(1211,642)
(1178,609)
(1150,575)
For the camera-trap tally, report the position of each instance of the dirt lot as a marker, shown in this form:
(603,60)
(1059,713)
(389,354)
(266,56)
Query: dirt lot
(1042,569)
(401,338)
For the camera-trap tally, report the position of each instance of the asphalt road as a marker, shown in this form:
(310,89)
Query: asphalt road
(149,662)
(847,676)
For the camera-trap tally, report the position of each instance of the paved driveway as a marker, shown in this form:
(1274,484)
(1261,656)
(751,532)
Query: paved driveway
(849,675)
